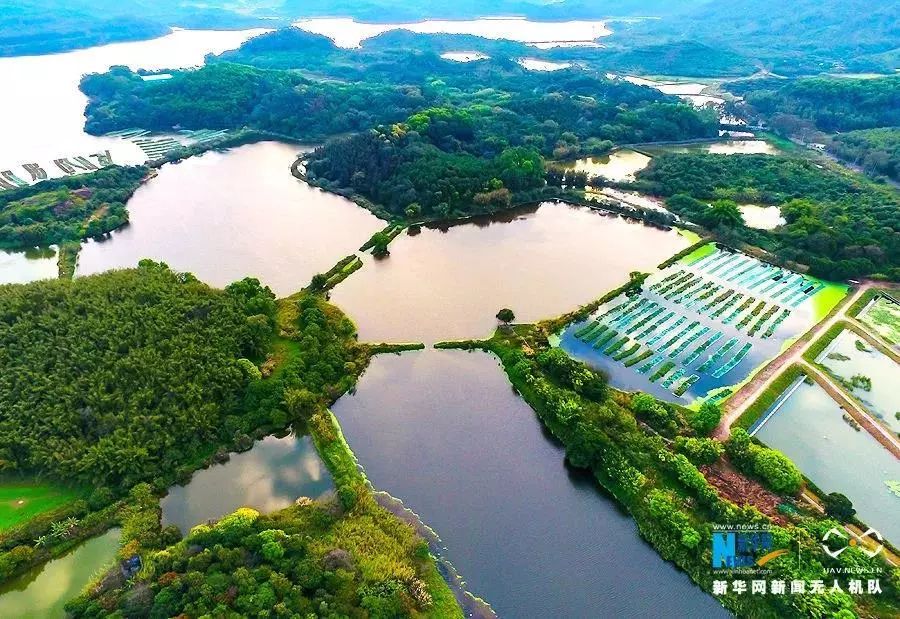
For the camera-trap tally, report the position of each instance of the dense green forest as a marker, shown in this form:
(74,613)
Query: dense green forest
(876,151)
(304,561)
(830,103)
(126,376)
(67,209)
(450,161)
(656,475)
(303,86)
(838,223)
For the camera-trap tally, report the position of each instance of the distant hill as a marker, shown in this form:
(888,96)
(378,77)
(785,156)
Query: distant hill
(799,36)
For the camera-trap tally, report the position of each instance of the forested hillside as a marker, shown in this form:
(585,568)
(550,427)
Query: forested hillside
(830,103)
(126,376)
(838,223)
(789,38)
(29,27)
(876,151)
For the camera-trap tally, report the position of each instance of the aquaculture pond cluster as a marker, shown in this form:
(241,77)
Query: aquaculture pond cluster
(696,326)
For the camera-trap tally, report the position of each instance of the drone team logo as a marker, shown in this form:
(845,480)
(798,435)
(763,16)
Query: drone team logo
(851,541)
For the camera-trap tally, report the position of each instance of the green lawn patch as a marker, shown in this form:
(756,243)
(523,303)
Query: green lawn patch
(827,298)
(21,501)
(768,397)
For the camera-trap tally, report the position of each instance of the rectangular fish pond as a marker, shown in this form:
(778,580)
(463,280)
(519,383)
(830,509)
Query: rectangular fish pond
(809,428)
(700,325)
(867,373)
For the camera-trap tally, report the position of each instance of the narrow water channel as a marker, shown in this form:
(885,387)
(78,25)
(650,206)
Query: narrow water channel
(444,432)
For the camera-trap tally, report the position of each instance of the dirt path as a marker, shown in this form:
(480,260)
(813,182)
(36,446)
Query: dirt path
(746,395)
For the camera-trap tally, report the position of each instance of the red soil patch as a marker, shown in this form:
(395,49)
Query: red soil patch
(742,490)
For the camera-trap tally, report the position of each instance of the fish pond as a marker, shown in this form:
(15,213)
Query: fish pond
(700,325)
(870,375)
(444,432)
(43,592)
(809,428)
(883,315)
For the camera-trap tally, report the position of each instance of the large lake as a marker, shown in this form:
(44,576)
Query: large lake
(232,214)
(444,432)
(44,120)
(449,283)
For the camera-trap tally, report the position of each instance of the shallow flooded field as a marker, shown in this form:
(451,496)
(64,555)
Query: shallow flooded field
(877,376)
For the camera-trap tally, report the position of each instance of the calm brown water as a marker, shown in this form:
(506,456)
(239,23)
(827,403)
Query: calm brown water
(228,215)
(444,432)
(449,284)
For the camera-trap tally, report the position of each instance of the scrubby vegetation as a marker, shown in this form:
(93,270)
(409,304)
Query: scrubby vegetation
(67,209)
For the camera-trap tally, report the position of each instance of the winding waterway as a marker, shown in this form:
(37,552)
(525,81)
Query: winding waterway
(227,215)
(449,283)
(444,432)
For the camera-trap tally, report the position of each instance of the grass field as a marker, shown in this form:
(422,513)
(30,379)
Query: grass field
(700,252)
(827,298)
(20,501)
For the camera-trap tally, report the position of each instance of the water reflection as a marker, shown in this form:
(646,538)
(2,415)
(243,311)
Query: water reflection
(444,432)
(620,165)
(269,477)
(227,215)
(23,266)
(449,283)
(42,592)
(810,430)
